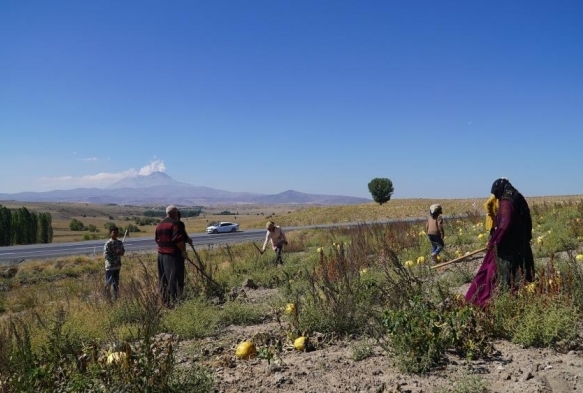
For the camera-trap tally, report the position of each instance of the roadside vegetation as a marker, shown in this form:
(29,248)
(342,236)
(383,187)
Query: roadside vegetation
(59,333)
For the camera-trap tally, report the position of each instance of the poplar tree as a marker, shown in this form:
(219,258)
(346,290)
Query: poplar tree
(5,226)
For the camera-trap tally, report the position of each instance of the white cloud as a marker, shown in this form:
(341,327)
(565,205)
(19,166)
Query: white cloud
(89,159)
(102,179)
(154,166)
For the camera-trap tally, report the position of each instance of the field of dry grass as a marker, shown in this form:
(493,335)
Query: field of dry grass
(254,216)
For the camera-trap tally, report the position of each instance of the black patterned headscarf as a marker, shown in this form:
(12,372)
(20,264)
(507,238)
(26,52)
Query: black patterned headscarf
(502,189)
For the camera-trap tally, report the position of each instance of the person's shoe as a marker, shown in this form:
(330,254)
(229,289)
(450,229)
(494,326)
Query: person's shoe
(434,258)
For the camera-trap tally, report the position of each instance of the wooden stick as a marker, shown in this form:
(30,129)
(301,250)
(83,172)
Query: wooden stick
(458,259)
(258,249)
(200,270)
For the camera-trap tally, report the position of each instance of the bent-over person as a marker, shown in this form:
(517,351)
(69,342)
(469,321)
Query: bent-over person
(276,236)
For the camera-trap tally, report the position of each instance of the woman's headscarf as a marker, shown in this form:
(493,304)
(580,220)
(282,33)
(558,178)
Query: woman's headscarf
(502,189)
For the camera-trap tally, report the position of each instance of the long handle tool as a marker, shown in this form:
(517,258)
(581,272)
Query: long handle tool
(258,249)
(202,272)
(458,259)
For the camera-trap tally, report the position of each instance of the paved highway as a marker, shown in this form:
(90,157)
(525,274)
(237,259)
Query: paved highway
(90,247)
(13,254)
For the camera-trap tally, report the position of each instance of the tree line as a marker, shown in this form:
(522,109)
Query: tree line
(184,212)
(21,226)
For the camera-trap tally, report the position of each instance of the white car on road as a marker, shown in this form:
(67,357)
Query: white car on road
(223,227)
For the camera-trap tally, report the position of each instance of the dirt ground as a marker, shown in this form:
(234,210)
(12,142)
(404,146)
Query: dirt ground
(330,366)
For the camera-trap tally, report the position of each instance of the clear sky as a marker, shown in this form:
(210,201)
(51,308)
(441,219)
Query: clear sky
(441,97)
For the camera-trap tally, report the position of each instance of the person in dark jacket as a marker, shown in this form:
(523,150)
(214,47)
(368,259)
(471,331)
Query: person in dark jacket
(170,238)
(509,260)
(512,234)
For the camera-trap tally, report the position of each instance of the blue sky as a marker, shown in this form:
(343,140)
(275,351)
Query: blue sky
(441,97)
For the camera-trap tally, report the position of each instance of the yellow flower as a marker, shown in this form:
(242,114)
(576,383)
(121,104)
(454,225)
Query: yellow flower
(420,260)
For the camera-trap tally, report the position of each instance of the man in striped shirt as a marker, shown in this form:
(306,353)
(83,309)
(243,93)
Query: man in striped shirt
(171,256)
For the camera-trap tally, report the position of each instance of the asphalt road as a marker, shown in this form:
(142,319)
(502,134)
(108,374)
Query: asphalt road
(15,254)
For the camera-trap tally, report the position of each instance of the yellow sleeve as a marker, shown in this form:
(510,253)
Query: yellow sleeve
(491,206)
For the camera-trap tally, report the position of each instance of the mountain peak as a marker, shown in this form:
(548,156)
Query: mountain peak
(151,180)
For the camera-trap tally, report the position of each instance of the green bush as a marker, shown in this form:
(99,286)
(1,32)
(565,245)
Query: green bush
(421,331)
(533,319)
(544,324)
(415,334)
(76,225)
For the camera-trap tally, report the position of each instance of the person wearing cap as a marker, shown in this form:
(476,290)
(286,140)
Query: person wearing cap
(276,236)
(435,231)
(508,261)
(170,238)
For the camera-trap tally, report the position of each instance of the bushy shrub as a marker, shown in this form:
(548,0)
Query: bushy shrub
(76,225)
(415,333)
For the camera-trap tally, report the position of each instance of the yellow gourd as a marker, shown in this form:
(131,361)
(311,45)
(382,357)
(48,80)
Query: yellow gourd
(245,350)
(300,343)
(290,308)
(117,358)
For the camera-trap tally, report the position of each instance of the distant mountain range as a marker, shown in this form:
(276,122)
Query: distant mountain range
(159,188)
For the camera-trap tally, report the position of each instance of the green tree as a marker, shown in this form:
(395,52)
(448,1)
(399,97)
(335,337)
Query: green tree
(45,228)
(30,221)
(18,228)
(132,228)
(76,225)
(381,189)
(5,226)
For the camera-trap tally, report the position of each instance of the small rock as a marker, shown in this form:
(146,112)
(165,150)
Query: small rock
(528,376)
